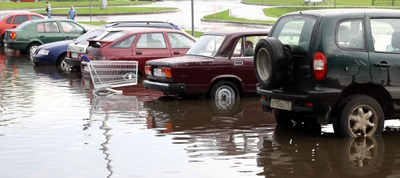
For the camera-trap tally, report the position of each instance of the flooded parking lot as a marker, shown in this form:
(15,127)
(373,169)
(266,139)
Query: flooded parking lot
(51,125)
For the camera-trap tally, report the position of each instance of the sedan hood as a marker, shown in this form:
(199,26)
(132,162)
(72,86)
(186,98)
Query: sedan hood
(179,61)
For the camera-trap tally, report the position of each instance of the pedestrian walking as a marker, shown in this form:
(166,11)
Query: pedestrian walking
(48,9)
(71,13)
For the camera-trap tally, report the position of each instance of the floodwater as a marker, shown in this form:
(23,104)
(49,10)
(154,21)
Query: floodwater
(51,125)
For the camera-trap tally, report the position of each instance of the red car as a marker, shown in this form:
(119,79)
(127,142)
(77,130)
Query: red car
(11,19)
(219,65)
(139,44)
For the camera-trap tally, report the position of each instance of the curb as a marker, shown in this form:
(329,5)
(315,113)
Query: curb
(242,23)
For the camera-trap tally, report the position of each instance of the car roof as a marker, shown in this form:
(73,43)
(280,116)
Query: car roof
(152,24)
(237,32)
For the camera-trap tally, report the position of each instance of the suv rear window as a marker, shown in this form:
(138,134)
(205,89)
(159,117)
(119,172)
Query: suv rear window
(295,31)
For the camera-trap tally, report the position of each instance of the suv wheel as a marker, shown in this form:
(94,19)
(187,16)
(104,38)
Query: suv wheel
(270,63)
(360,115)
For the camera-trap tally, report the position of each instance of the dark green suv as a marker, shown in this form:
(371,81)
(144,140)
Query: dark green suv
(337,66)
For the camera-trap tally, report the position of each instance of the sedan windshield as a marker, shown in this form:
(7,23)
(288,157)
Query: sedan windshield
(207,45)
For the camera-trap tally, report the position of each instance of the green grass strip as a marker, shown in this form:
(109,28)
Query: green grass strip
(224,16)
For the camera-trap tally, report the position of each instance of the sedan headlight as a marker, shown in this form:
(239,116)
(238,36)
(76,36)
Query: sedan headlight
(43,52)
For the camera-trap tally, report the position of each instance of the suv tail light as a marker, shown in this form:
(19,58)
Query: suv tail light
(13,35)
(320,66)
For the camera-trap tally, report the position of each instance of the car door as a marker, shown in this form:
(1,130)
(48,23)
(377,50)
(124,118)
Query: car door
(241,61)
(71,30)
(150,45)
(15,20)
(49,31)
(384,53)
(180,43)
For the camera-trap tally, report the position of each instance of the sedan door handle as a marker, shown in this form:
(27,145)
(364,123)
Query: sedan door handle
(383,64)
(68,37)
(176,52)
(139,52)
(42,36)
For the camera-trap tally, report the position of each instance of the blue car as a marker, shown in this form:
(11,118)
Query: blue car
(54,53)
(51,54)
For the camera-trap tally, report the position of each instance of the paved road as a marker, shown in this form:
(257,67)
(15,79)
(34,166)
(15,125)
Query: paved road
(201,8)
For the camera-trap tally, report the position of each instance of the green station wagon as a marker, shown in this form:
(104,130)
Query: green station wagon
(336,66)
(33,33)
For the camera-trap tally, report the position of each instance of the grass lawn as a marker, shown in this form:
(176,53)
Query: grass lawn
(224,16)
(301,2)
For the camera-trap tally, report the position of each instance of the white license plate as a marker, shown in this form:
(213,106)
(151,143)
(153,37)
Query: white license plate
(157,72)
(281,104)
(74,55)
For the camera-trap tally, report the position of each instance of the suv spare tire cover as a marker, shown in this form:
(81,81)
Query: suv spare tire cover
(270,63)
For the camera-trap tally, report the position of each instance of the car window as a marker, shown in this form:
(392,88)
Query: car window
(47,27)
(179,40)
(386,35)
(114,36)
(8,21)
(238,49)
(34,17)
(245,46)
(70,27)
(207,45)
(295,31)
(151,40)
(126,43)
(350,34)
(18,19)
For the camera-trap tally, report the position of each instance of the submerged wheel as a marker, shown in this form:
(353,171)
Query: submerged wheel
(270,63)
(61,64)
(225,94)
(360,115)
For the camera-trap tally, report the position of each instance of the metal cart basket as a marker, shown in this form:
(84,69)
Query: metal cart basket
(111,74)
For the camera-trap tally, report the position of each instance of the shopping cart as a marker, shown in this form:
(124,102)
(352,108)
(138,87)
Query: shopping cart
(107,75)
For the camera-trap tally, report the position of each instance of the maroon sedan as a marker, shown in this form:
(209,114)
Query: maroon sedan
(219,65)
(139,44)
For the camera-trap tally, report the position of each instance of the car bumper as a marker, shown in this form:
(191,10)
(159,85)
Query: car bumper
(314,101)
(171,88)
(15,45)
(73,62)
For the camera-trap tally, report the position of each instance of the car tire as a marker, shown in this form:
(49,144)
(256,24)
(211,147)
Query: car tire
(61,64)
(270,63)
(361,115)
(284,118)
(31,47)
(225,93)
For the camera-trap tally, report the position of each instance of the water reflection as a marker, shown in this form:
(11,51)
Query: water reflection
(208,131)
(297,153)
